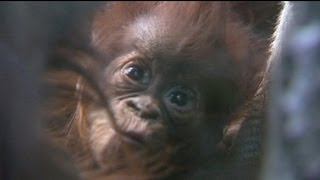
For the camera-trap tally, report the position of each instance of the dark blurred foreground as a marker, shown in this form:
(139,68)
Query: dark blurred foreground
(29,30)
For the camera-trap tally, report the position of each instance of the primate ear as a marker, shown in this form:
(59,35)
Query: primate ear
(262,15)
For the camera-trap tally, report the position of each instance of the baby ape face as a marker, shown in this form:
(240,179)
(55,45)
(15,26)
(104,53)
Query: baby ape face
(162,96)
(169,83)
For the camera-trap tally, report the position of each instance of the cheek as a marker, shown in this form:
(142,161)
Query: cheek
(187,120)
(101,134)
(214,130)
(200,128)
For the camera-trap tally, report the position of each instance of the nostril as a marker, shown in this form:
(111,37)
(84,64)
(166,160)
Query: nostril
(144,107)
(132,105)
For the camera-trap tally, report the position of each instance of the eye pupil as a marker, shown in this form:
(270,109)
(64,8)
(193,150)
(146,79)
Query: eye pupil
(135,72)
(179,98)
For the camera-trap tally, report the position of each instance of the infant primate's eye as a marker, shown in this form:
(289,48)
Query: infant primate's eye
(135,72)
(181,98)
(178,98)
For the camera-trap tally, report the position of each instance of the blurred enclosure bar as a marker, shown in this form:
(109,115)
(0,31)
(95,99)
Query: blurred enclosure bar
(28,33)
(293,148)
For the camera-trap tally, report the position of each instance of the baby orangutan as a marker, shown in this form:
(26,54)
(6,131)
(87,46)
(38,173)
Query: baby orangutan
(153,96)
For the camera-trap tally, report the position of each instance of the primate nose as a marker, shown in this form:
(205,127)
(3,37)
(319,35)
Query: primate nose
(145,106)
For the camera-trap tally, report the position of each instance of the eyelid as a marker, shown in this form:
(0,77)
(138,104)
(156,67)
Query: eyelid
(137,60)
(130,57)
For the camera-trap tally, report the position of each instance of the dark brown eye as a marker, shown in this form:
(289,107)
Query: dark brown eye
(181,98)
(135,72)
(178,98)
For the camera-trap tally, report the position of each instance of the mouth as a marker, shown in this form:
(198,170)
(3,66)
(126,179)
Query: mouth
(133,138)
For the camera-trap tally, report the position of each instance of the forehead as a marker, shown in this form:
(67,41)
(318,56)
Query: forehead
(152,35)
(158,37)
(175,50)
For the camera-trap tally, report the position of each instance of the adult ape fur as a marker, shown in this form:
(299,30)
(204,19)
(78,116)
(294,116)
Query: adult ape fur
(151,96)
